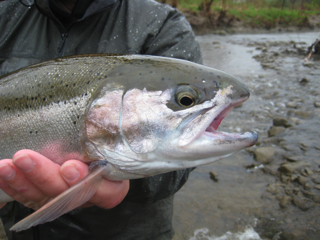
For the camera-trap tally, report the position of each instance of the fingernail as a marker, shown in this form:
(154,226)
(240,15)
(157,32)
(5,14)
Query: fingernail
(70,172)
(6,172)
(24,163)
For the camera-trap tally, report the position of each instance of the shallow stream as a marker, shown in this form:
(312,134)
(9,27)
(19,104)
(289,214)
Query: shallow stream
(277,198)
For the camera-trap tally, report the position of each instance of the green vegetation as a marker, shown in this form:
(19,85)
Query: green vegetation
(265,13)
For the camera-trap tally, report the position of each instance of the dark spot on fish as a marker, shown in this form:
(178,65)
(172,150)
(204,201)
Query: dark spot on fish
(52,87)
(36,132)
(8,109)
(30,132)
(61,82)
(120,74)
(140,74)
(38,94)
(58,102)
(72,74)
(17,99)
(211,73)
(32,98)
(65,102)
(39,85)
(67,85)
(162,79)
(44,99)
(88,82)
(98,74)
(74,122)
(58,75)
(78,116)
(86,94)
(200,69)
(50,96)
(114,62)
(218,76)
(195,78)
(151,72)
(18,115)
(32,87)
(75,103)
(141,60)
(35,98)
(74,84)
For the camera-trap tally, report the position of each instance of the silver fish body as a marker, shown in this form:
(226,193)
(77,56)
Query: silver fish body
(143,115)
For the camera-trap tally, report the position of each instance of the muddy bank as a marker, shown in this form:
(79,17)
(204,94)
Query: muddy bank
(272,189)
(223,23)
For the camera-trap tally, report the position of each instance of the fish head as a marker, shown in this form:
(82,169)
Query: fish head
(169,112)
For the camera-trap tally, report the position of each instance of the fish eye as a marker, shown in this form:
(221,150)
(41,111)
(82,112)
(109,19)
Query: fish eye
(186,96)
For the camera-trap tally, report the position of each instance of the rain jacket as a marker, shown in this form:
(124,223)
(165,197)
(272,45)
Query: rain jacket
(42,31)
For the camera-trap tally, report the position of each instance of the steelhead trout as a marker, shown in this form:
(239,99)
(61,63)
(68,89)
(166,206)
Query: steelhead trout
(128,116)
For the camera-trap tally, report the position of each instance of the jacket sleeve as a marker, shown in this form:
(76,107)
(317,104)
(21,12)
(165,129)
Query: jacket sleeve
(175,39)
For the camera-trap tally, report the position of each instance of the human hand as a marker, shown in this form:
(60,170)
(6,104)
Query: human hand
(33,180)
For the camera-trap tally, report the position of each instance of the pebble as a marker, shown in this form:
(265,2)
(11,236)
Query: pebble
(264,155)
(294,158)
(303,203)
(290,167)
(291,105)
(303,114)
(213,176)
(302,180)
(281,122)
(273,131)
(308,64)
(303,81)
(284,201)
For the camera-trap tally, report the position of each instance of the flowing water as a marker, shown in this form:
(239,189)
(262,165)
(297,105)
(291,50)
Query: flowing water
(241,203)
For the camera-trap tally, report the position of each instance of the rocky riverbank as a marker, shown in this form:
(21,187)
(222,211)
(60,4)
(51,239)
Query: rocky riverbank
(274,187)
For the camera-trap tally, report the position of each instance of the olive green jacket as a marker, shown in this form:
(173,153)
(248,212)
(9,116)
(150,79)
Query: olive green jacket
(30,34)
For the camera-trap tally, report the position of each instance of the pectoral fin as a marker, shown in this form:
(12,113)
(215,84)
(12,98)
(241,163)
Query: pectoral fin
(66,201)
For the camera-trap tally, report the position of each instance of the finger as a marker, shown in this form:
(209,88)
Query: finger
(16,185)
(41,171)
(109,193)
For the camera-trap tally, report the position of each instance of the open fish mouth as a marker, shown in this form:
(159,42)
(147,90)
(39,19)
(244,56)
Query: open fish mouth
(236,140)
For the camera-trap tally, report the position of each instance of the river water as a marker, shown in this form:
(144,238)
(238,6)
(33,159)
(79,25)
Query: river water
(252,200)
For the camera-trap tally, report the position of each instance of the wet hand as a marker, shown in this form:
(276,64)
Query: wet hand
(33,180)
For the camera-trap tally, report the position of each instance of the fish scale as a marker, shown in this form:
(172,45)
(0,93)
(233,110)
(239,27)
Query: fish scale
(128,116)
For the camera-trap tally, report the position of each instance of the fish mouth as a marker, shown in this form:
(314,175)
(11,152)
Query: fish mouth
(212,134)
(202,131)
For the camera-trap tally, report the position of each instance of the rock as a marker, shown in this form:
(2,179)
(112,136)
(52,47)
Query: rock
(302,180)
(264,154)
(290,167)
(308,64)
(215,42)
(317,104)
(273,188)
(285,201)
(316,179)
(317,186)
(273,131)
(213,176)
(303,81)
(303,114)
(306,172)
(281,122)
(303,203)
(294,158)
(291,105)
(307,186)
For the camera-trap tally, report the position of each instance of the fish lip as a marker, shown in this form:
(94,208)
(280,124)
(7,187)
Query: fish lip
(214,124)
(211,131)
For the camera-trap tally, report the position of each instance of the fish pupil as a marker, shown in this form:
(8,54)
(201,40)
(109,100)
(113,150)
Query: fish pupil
(186,101)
